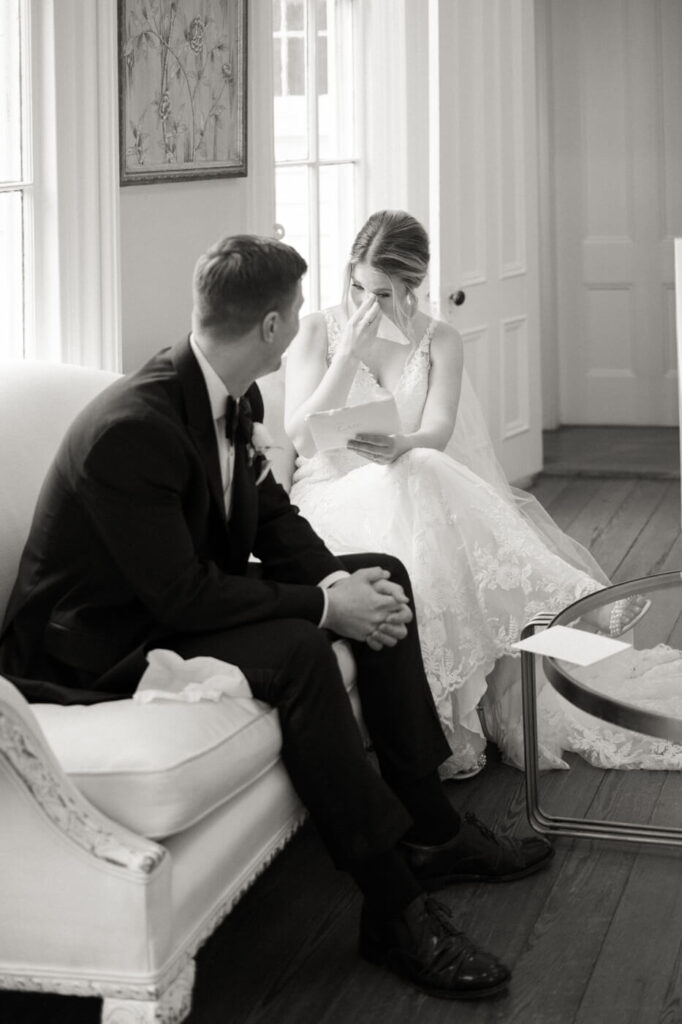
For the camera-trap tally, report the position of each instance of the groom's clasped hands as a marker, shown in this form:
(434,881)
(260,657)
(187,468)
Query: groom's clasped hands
(369,606)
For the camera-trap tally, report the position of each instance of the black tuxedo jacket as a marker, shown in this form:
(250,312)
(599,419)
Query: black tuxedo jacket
(130,541)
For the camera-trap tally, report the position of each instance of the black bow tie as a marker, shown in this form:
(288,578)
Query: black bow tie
(238,420)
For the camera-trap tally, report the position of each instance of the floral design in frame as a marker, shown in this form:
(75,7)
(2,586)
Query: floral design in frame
(182,89)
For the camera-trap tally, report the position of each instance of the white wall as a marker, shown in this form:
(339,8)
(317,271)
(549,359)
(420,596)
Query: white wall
(166,227)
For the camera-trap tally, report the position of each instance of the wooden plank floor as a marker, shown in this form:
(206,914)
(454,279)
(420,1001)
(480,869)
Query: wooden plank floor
(596,939)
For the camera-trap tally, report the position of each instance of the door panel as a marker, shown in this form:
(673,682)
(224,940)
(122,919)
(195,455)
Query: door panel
(483,219)
(615,81)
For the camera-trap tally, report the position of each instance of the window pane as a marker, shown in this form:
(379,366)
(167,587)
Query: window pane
(290,104)
(323,232)
(10,91)
(322,14)
(11,274)
(291,185)
(337,229)
(291,128)
(322,69)
(295,66)
(335,76)
(294,14)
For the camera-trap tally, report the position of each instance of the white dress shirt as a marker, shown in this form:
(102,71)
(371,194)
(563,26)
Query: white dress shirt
(217,397)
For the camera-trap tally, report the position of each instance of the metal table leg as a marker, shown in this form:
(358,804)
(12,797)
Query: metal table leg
(548,824)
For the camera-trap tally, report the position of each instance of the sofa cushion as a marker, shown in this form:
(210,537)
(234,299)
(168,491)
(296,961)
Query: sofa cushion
(159,768)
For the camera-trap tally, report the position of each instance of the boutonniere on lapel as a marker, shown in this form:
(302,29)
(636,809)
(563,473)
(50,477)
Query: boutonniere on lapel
(240,429)
(257,449)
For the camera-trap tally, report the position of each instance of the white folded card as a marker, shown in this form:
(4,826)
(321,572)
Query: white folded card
(575,645)
(335,427)
(390,331)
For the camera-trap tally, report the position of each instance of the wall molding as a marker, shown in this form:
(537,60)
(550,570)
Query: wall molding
(515,370)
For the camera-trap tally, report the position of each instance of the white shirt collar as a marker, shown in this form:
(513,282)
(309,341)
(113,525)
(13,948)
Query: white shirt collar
(217,392)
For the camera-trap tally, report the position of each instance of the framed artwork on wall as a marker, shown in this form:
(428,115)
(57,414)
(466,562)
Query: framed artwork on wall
(182,89)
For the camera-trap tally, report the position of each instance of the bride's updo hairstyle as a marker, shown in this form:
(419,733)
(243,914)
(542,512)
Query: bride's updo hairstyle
(394,243)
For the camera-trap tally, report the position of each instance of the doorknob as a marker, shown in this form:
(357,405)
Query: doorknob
(457,298)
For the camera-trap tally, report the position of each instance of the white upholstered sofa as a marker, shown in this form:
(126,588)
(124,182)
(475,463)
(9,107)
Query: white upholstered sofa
(128,831)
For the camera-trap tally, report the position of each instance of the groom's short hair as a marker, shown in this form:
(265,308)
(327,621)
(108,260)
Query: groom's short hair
(243,277)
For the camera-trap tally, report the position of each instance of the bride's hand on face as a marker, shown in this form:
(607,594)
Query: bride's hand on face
(381,448)
(361,328)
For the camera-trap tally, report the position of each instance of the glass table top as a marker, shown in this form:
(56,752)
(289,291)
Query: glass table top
(639,688)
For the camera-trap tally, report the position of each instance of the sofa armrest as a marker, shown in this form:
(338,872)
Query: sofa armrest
(25,751)
(76,888)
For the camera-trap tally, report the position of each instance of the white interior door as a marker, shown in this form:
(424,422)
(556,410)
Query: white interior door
(483,209)
(678,327)
(616,145)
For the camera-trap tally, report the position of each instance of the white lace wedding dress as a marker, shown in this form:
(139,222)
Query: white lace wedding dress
(483,561)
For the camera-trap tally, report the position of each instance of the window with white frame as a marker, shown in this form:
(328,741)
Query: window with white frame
(315,138)
(59,272)
(16,182)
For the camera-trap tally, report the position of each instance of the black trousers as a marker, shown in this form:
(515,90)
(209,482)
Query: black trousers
(290,664)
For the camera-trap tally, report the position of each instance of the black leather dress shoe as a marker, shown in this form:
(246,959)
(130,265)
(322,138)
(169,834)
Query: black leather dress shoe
(423,945)
(476,854)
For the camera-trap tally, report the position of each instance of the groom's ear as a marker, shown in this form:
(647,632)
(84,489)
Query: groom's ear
(269,326)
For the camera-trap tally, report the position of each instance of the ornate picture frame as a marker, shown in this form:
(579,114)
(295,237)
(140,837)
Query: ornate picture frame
(182,90)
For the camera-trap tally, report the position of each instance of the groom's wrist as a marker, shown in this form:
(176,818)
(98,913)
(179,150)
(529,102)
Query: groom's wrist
(325,585)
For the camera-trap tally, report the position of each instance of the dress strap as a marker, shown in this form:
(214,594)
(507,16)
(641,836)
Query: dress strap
(333,332)
(424,345)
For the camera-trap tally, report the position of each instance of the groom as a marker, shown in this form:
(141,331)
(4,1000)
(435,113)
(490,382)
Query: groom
(142,537)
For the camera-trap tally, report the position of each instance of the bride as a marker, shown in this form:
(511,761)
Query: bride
(483,559)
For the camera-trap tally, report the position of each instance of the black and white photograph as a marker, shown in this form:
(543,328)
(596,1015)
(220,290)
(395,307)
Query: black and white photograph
(340,525)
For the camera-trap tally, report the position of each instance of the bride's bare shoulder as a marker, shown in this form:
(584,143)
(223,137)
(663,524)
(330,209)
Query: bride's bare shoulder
(312,327)
(445,336)
(442,329)
(317,322)
(311,342)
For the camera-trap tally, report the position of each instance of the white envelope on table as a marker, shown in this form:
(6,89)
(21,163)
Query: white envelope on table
(335,427)
(574,645)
